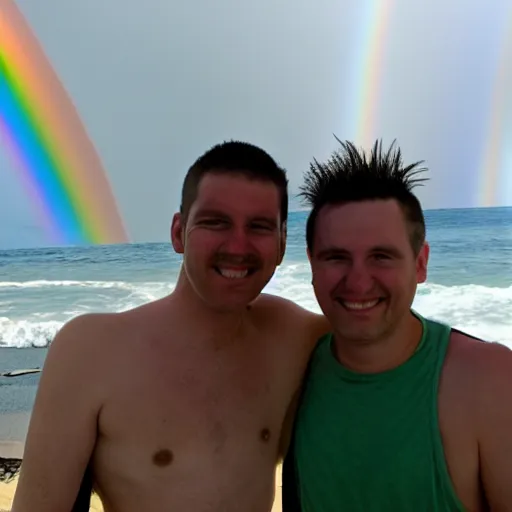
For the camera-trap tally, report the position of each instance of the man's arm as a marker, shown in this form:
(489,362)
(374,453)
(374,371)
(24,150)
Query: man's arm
(62,430)
(287,428)
(317,326)
(312,327)
(495,427)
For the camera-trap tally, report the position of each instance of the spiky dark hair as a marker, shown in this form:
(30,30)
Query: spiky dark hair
(351,175)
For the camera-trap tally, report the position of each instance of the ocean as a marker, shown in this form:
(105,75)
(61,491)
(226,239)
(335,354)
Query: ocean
(469,285)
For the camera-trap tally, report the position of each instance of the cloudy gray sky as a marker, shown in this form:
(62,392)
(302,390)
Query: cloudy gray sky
(158,82)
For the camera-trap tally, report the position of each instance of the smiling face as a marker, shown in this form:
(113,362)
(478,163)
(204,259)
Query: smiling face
(232,239)
(365,272)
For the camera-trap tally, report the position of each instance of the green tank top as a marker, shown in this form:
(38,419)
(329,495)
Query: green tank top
(371,442)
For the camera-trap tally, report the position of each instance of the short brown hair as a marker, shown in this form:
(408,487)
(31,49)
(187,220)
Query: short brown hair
(235,157)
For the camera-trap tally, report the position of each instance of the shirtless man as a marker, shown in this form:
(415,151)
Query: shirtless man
(399,413)
(180,404)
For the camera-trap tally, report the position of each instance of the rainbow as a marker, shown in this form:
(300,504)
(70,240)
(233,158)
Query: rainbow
(376,18)
(497,157)
(42,132)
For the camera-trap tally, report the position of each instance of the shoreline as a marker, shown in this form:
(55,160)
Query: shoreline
(11,449)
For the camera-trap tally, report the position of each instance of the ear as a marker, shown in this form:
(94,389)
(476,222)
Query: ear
(282,243)
(422,263)
(310,257)
(177,233)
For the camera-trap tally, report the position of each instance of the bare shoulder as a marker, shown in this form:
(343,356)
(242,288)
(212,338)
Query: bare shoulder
(289,315)
(88,344)
(287,309)
(101,331)
(84,332)
(489,366)
(487,360)
(77,350)
(280,304)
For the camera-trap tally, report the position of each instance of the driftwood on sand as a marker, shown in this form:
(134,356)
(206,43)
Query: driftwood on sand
(18,373)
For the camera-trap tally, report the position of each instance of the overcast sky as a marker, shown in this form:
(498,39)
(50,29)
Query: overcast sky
(157,82)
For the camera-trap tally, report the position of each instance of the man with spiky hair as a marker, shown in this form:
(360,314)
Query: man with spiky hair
(398,412)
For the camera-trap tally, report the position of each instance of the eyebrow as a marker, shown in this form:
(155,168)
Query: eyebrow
(389,249)
(332,251)
(211,213)
(267,220)
(217,213)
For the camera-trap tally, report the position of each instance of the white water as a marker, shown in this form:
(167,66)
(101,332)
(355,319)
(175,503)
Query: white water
(31,312)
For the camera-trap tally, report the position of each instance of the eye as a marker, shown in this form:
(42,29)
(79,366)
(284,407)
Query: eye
(213,222)
(381,256)
(262,227)
(336,257)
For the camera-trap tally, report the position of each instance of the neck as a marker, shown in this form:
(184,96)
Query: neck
(384,354)
(215,327)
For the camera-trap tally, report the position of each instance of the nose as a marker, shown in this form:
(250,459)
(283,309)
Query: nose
(237,242)
(358,279)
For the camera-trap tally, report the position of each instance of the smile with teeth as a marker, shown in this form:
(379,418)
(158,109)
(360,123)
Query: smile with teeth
(359,306)
(231,273)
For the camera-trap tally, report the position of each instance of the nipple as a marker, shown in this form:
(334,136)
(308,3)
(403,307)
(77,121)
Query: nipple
(265,435)
(162,458)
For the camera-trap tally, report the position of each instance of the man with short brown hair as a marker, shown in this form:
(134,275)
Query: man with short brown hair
(188,405)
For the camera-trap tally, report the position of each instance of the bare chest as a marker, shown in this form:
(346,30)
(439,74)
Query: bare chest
(194,407)
(213,421)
